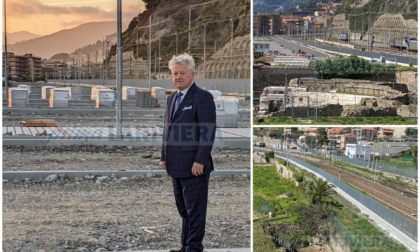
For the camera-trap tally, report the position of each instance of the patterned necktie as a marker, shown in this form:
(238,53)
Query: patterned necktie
(178,101)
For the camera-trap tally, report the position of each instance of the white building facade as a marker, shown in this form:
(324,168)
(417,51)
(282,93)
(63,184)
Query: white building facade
(360,150)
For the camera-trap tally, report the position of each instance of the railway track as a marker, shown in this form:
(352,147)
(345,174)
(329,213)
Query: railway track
(406,188)
(385,195)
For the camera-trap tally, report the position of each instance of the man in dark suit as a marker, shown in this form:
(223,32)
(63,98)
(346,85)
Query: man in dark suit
(188,137)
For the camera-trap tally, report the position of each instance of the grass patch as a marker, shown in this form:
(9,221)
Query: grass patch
(262,240)
(267,183)
(400,163)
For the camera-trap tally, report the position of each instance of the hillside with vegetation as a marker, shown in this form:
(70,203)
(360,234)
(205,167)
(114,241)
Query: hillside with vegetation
(378,7)
(313,209)
(163,13)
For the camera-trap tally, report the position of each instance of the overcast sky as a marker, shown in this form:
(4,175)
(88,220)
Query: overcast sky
(44,17)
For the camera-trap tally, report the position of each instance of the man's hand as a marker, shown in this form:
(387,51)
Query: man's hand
(162,165)
(197,169)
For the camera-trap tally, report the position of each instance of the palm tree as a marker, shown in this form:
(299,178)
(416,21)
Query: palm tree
(320,189)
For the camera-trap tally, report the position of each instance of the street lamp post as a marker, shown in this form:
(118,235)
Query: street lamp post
(5,52)
(119,70)
(316,96)
(88,54)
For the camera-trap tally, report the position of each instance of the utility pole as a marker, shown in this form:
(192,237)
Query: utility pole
(370,28)
(380,163)
(150,53)
(387,25)
(5,53)
(316,96)
(73,69)
(96,68)
(189,30)
(204,57)
(329,161)
(137,42)
(176,48)
(363,37)
(103,61)
(88,54)
(107,54)
(355,21)
(119,70)
(408,39)
(159,58)
(285,91)
(80,70)
(155,64)
(231,49)
(215,49)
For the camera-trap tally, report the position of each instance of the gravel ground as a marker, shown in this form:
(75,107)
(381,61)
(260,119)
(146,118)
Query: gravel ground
(92,157)
(110,123)
(82,215)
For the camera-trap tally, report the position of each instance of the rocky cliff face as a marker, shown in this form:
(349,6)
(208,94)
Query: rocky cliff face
(172,16)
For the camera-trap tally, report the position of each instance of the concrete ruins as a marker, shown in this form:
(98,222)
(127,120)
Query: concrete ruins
(337,97)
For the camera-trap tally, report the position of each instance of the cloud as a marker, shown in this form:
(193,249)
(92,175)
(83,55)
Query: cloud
(30,8)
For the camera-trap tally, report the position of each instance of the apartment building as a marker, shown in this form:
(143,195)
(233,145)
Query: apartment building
(334,134)
(35,67)
(385,132)
(266,23)
(23,68)
(18,67)
(363,133)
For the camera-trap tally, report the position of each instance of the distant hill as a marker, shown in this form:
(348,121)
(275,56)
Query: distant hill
(66,41)
(408,8)
(15,37)
(283,6)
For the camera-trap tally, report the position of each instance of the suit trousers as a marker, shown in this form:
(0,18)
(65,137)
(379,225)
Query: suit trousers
(191,196)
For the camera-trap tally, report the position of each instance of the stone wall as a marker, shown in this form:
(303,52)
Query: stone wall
(256,158)
(338,244)
(219,66)
(409,78)
(284,171)
(397,27)
(407,110)
(265,77)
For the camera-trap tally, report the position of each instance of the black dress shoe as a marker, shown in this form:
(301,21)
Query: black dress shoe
(182,249)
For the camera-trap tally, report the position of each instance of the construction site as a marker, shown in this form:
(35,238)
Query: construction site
(81,156)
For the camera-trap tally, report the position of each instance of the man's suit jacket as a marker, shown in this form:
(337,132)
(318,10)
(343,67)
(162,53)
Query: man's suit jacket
(188,136)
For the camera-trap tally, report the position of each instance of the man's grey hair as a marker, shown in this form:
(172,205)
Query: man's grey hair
(182,59)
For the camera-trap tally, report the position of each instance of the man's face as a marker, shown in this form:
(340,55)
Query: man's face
(182,77)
